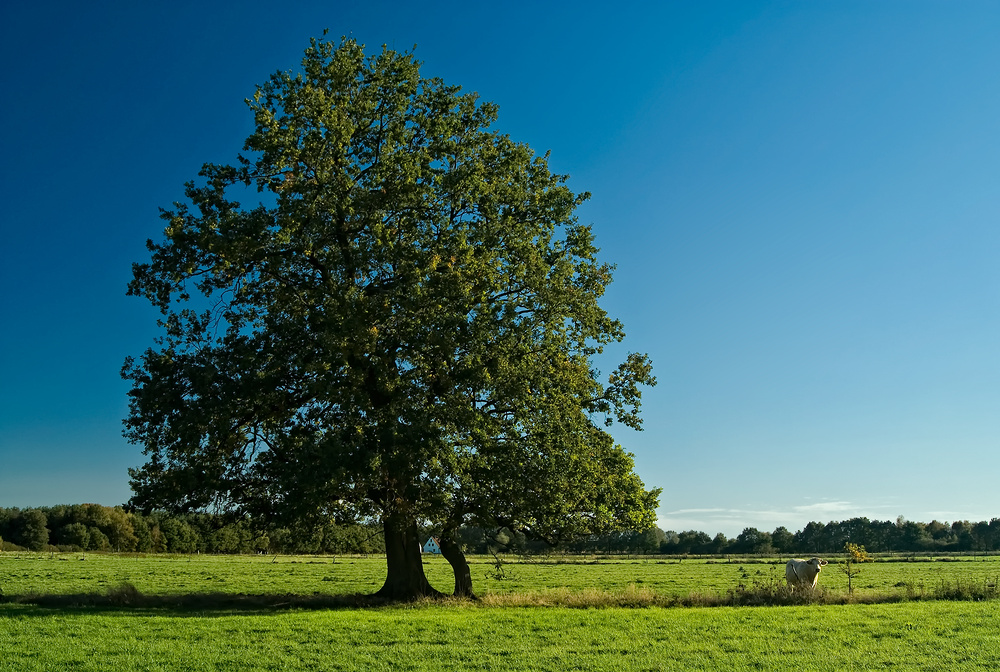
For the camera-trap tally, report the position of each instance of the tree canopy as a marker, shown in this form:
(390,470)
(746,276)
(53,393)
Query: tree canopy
(402,327)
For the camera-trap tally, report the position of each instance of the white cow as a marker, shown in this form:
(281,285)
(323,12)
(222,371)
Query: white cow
(803,573)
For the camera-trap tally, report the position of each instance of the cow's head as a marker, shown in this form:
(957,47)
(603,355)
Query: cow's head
(817,563)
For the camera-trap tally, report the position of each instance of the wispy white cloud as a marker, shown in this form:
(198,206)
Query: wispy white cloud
(825,507)
(687,511)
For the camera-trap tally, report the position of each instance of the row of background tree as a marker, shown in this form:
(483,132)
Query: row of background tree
(877,536)
(92,527)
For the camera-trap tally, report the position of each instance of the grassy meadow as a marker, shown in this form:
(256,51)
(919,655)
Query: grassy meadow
(508,629)
(80,573)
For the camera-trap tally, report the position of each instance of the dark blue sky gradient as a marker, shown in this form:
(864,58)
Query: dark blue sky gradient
(802,200)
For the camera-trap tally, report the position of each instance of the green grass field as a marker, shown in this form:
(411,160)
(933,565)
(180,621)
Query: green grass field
(911,635)
(22,573)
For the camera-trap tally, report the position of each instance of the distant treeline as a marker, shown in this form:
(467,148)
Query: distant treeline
(899,536)
(877,536)
(92,527)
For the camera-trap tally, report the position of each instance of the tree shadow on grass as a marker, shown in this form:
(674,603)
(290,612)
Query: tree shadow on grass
(126,597)
(769,593)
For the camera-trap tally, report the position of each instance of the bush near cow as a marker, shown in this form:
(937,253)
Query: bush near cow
(854,555)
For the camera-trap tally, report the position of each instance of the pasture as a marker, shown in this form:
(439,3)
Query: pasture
(78,573)
(275,634)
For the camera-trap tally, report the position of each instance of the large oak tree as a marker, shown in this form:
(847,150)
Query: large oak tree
(402,326)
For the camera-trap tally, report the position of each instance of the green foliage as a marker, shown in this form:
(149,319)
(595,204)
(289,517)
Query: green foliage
(143,535)
(827,538)
(100,528)
(752,541)
(34,533)
(782,540)
(98,540)
(74,535)
(402,328)
(72,525)
(854,555)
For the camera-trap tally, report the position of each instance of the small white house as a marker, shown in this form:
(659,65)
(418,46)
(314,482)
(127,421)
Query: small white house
(432,546)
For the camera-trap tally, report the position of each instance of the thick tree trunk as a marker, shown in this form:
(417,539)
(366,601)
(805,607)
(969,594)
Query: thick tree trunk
(452,552)
(405,580)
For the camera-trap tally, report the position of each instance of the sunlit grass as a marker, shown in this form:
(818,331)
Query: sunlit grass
(910,636)
(40,573)
(108,612)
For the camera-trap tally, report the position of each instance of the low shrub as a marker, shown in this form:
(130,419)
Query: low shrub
(975,591)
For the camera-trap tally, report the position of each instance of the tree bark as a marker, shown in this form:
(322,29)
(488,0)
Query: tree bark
(405,579)
(452,552)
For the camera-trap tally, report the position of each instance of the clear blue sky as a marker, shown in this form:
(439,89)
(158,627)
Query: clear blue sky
(802,199)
